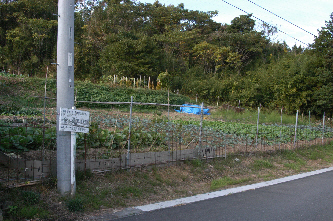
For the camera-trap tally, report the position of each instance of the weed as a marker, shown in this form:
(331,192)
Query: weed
(145,176)
(196,163)
(30,212)
(105,192)
(75,205)
(289,155)
(51,182)
(12,210)
(128,191)
(120,202)
(218,165)
(317,152)
(95,201)
(262,164)
(159,178)
(295,160)
(83,175)
(251,116)
(30,197)
(226,181)
(315,155)
(155,183)
(292,166)
(268,177)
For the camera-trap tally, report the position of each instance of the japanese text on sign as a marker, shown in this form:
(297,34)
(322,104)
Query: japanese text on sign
(74,120)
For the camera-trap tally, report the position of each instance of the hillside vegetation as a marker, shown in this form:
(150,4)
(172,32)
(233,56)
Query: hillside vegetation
(177,48)
(24,95)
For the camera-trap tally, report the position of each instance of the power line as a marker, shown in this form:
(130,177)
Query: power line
(281,18)
(264,22)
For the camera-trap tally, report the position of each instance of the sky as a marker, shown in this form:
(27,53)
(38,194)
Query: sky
(309,15)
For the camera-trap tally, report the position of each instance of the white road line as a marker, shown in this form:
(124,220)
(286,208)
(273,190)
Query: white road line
(211,195)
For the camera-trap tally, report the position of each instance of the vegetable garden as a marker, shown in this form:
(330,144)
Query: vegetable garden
(153,134)
(169,136)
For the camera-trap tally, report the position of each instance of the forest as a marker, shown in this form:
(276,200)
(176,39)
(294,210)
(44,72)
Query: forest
(182,49)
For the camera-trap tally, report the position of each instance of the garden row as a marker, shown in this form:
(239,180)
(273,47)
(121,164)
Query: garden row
(111,132)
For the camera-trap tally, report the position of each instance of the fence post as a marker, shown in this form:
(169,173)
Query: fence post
(295,138)
(257,127)
(280,131)
(309,127)
(129,134)
(169,120)
(180,142)
(43,146)
(85,153)
(44,119)
(322,138)
(200,132)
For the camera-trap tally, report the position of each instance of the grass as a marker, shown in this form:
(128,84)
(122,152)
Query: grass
(18,95)
(267,177)
(227,181)
(31,212)
(195,163)
(262,164)
(121,189)
(266,117)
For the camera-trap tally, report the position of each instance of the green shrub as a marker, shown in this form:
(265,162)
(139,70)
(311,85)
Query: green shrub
(31,212)
(30,197)
(225,181)
(75,205)
(262,164)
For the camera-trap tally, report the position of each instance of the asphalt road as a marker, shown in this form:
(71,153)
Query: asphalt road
(309,198)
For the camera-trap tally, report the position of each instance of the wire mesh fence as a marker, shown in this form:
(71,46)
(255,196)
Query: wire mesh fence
(122,136)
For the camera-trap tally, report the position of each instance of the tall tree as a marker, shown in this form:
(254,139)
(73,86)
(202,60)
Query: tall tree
(28,35)
(323,50)
(247,44)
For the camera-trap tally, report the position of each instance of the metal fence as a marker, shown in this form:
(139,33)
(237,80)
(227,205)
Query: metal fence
(123,137)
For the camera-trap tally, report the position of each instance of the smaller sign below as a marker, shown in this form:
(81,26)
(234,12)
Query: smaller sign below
(74,120)
(70,59)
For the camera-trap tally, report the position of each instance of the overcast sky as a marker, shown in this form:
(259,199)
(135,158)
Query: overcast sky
(310,15)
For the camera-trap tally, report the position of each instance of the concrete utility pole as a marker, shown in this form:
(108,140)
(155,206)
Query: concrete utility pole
(65,94)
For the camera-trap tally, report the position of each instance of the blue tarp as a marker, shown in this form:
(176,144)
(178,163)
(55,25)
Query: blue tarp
(192,109)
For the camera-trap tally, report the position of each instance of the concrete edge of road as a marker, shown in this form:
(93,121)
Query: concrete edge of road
(200,197)
(183,201)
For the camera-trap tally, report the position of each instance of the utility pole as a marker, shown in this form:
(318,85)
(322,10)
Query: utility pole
(65,95)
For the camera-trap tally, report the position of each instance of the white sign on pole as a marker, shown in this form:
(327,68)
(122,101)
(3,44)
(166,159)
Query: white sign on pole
(74,120)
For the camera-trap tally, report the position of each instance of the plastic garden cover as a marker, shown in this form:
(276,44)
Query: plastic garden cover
(192,109)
